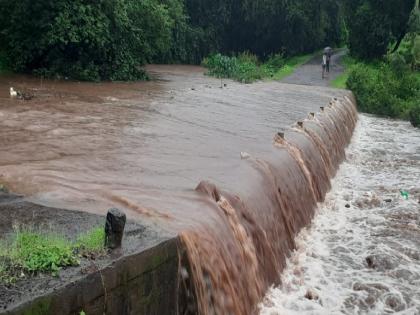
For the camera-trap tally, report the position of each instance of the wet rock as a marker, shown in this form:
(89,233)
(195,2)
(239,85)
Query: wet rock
(311,295)
(380,262)
(374,291)
(368,201)
(395,302)
(114,228)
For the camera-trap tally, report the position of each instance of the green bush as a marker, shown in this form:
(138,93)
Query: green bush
(248,72)
(246,67)
(276,61)
(221,66)
(385,89)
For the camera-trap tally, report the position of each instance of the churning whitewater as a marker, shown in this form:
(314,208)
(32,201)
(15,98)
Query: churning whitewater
(361,255)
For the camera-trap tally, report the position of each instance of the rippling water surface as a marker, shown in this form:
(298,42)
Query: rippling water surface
(139,146)
(361,255)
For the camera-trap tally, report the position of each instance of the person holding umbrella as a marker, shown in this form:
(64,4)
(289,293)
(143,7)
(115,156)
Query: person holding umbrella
(328,51)
(324,64)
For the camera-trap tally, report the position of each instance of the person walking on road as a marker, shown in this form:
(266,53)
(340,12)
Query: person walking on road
(328,63)
(328,51)
(324,64)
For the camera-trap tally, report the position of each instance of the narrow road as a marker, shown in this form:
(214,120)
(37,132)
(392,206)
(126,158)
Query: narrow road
(311,72)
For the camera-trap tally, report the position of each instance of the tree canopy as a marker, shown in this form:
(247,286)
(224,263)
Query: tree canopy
(375,24)
(110,39)
(84,39)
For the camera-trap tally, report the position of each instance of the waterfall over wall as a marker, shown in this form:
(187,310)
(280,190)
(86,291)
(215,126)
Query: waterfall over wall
(228,264)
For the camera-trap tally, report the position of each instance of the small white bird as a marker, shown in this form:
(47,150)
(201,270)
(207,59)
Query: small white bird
(13,93)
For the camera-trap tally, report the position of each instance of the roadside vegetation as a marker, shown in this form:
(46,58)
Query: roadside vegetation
(247,68)
(340,81)
(383,72)
(387,88)
(29,252)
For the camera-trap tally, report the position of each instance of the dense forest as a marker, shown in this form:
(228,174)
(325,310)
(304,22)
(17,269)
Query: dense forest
(109,39)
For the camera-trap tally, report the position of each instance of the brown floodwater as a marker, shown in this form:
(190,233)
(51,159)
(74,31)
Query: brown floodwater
(91,146)
(191,154)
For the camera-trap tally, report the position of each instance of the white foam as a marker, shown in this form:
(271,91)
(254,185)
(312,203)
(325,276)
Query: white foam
(330,258)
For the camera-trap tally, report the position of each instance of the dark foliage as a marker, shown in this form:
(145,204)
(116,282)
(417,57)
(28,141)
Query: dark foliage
(264,27)
(84,39)
(387,89)
(110,39)
(374,24)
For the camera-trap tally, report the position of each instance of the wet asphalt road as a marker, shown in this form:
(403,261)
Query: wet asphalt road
(311,72)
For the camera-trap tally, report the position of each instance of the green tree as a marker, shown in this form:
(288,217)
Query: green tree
(84,39)
(374,24)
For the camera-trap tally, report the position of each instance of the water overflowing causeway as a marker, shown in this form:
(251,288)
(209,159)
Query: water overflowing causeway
(361,254)
(168,152)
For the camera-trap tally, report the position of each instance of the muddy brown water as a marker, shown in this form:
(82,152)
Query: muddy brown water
(168,152)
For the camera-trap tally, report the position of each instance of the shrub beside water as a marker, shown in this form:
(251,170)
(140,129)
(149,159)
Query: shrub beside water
(246,67)
(243,68)
(387,89)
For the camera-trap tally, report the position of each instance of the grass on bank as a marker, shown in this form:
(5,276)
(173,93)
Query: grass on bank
(387,88)
(246,67)
(29,252)
(340,81)
(290,66)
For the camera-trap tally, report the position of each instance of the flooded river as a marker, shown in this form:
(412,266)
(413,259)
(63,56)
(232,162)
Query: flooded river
(361,254)
(226,168)
(140,146)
